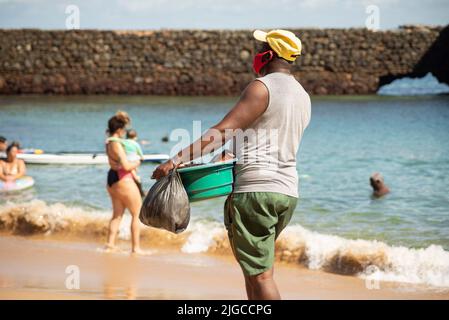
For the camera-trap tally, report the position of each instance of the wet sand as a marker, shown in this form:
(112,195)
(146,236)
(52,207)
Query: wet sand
(36,269)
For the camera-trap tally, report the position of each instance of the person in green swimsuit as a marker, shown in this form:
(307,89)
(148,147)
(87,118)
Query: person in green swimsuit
(133,151)
(132,147)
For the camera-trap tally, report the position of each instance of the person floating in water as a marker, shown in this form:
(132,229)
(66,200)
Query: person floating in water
(377,183)
(12,168)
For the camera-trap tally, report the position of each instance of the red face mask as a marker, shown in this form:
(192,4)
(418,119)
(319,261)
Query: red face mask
(261,59)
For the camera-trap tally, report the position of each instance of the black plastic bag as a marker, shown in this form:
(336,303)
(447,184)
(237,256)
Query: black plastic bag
(166,204)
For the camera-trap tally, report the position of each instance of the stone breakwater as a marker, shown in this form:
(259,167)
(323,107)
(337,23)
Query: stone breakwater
(195,62)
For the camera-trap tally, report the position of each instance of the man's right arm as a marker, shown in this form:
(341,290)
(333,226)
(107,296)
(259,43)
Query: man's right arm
(251,105)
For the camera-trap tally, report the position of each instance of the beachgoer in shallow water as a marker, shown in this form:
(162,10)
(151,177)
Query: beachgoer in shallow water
(12,168)
(377,183)
(266,184)
(121,187)
(133,153)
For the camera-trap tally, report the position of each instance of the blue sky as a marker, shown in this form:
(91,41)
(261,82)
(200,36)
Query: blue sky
(218,14)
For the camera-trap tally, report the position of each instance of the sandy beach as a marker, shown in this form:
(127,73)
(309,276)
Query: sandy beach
(143,143)
(36,269)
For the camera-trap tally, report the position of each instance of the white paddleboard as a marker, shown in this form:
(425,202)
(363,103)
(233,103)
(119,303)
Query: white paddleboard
(80,158)
(20,184)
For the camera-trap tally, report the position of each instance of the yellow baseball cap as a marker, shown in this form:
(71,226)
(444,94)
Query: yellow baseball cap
(283,42)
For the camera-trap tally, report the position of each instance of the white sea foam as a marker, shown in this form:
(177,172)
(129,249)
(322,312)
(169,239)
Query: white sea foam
(391,263)
(202,236)
(428,266)
(364,258)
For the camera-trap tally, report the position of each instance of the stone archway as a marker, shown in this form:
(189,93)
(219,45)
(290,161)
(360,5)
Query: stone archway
(434,61)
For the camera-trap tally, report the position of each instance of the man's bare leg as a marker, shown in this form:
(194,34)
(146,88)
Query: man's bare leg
(263,286)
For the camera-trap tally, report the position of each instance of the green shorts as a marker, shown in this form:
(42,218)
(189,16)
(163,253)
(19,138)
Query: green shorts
(254,220)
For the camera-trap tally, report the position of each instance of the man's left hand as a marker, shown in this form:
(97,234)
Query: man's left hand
(163,170)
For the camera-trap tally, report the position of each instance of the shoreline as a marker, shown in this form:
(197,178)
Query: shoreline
(165,274)
(297,247)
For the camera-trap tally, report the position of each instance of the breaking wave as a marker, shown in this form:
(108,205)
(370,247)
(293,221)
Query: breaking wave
(364,258)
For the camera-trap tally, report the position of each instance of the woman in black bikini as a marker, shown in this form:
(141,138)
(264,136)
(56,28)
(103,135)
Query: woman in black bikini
(121,187)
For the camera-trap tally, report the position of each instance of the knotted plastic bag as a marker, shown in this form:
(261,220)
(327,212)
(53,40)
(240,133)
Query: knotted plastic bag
(166,204)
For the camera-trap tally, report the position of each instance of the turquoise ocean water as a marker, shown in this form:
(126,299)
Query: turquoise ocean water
(404,138)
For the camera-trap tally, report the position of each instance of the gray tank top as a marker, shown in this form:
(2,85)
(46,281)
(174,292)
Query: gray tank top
(266,151)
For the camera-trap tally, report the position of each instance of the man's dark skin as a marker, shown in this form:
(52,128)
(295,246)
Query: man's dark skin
(251,105)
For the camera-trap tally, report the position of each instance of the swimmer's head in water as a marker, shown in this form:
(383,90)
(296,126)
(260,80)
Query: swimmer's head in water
(118,123)
(131,134)
(378,185)
(376,180)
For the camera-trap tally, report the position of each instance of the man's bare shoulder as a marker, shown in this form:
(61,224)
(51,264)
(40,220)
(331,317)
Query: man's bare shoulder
(257,89)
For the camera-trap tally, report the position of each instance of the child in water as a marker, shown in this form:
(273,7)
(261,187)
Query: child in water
(133,153)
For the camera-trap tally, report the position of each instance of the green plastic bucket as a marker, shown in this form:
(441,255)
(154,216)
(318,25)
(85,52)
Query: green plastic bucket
(208,181)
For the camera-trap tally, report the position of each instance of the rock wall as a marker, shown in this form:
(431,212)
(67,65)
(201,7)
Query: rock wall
(195,62)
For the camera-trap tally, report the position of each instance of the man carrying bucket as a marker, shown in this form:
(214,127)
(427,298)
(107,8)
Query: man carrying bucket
(266,182)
